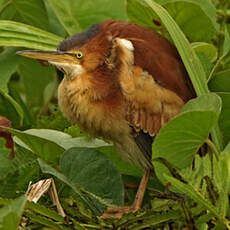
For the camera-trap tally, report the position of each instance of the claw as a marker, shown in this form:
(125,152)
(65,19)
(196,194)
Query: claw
(118,212)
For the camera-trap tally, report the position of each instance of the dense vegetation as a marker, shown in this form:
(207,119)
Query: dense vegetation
(47,146)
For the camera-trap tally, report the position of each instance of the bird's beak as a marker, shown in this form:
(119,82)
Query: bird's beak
(58,57)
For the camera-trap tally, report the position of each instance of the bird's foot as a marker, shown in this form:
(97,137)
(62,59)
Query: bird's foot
(118,212)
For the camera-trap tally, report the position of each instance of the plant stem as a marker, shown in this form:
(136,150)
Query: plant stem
(213,148)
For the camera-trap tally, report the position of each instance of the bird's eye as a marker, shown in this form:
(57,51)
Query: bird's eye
(79,55)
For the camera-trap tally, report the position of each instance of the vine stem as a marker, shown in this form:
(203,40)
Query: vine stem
(213,148)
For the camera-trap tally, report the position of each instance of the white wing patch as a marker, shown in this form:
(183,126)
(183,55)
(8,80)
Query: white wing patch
(126,43)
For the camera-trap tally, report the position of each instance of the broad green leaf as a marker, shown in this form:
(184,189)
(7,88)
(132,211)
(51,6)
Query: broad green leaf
(35,79)
(10,215)
(206,63)
(189,57)
(199,15)
(80,14)
(141,14)
(8,62)
(226,47)
(180,139)
(30,12)
(66,141)
(5,162)
(123,166)
(54,24)
(19,34)
(207,6)
(207,54)
(10,109)
(206,102)
(207,49)
(77,189)
(225,51)
(220,82)
(95,172)
(45,149)
(188,190)
(227,148)
(224,121)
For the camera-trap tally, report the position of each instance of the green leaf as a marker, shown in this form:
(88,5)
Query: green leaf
(47,150)
(19,34)
(189,57)
(43,210)
(123,166)
(222,179)
(48,169)
(10,215)
(224,121)
(66,141)
(220,82)
(199,15)
(24,168)
(11,109)
(72,14)
(49,223)
(226,47)
(28,12)
(225,51)
(8,62)
(206,102)
(207,49)
(180,139)
(5,162)
(95,172)
(207,54)
(141,14)
(154,220)
(188,190)
(54,24)
(35,80)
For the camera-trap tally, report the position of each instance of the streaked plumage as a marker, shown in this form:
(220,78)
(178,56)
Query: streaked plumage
(122,83)
(125,88)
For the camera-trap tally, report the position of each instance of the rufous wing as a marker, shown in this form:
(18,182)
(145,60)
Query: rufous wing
(149,105)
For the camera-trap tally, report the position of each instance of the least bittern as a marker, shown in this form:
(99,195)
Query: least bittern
(122,83)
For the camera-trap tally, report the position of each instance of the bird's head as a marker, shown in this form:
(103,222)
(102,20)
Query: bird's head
(91,59)
(84,52)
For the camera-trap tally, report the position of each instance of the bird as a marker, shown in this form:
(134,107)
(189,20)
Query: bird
(122,83)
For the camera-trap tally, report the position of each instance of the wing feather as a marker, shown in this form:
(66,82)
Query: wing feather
(149,105)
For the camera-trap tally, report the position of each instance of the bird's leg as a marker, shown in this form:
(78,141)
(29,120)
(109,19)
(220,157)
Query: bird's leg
(117,212)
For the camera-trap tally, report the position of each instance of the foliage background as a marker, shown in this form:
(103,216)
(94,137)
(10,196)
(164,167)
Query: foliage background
(50,146)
